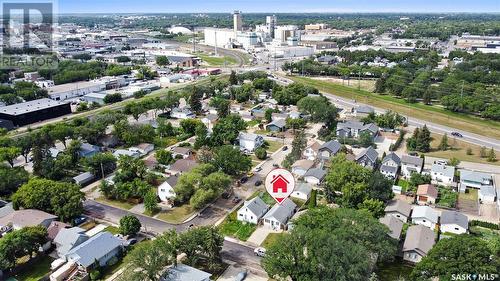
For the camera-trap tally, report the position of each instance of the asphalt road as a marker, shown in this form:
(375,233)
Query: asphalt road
(243,256)
(433,127)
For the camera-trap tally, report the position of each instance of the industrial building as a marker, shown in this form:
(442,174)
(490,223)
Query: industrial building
(30,112)
(73,90)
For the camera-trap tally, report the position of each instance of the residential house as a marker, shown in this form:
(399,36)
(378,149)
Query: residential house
(23,218)
(419,241)
(84,179)
(473,179)
(442,174)
(329,149)
(311,151)
(184,113)
(278,125)
(108,141)
(426,216)
(315,176)
(54,228)
(399,209)
(249,142)
(453,222)
(487,194)
(69,238)
(410,165)
(363,111)
(166,189)
(125,152)
(395,226)
(427,194)
(182,166)
(182,152)
(252,210)
(88,150)
(209,121)
(390,165)
(182,272)
(367,158)
(143,148)
(98,249)
(353,129)
(279,214)
(302,191)
(300,167)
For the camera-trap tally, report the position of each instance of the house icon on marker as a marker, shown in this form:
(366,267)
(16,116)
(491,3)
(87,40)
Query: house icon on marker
(279,183)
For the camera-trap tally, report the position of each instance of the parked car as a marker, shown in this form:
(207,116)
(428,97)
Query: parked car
(250,174)
(258,183)
(285,148)
(257,169)
(130,242)
(79,220)
(456,134)
(241,276)
(275,165)
(236,199)
(244,179)
(260,252)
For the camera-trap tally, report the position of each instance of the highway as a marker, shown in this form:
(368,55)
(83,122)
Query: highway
(433,127)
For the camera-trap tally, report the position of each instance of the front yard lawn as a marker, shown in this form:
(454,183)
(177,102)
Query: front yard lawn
(119,204)
(271,239)
(235,228)
(264,196)
(470,195)
(447,198)
(404,185)
(274,146)
(36,271)
(176,215)
(394,271)
(113,229)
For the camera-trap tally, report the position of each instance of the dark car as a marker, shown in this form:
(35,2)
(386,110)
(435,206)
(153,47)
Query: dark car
(456,134)
(79,220)
(285,148)
(236,199)
(244,179)
(257,183)
(276,165)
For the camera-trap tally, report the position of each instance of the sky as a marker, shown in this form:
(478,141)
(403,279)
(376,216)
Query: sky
(277,6)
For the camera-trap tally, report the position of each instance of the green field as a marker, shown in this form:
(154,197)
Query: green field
(217,61)
(433,114)
(36,271)
(235,228)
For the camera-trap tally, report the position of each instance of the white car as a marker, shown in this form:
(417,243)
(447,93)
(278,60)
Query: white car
(261,252)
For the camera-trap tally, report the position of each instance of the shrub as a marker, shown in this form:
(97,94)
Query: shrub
(484,224)
(261,153)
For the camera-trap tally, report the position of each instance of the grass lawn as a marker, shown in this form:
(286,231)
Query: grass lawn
(216,61)
(470,194)
(459,150)
(392,271)
(113,229)
(434,114)
(270,239)
(36,271)
(274,146)
(404,184)
(447,198)
(116,203)
(264,196)
(253,123)
(490,236)
(235,228)
(367,85)
(177,214)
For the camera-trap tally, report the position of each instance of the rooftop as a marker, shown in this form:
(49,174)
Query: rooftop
(419,238)
(29,106)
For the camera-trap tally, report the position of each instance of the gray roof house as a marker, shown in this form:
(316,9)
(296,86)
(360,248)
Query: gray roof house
(279,214)
(26,217)
(419,241)
(100,247)
(442,173)
(252,210)
(329,149)
(394,225)
(87,150)
(453,222)
(364,110)
(411,164)
(399,209)
(68,238)
(353,129)
(314,176)
(367,158)
(84,178)
(302,191)
(183,272)
(277,125)
(474,179)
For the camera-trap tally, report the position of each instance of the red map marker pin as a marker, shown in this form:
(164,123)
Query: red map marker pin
(280,184)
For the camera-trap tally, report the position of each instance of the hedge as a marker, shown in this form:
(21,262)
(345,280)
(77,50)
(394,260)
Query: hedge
(484,224)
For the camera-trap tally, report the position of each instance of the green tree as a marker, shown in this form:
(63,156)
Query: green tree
(162,60)
(299,143)
(443,145)
(227,129)
(164,157)
(295,123)
(261,153)
(366,139)
(100,164)
(113,98)
(25,143)
(456,255)
(343,174)
(482,152)
(231,161)
(12,179)
(454,162)
(130,225)
(268,114)
(233,80)
(202,243)
(9,154)
(20,243)
(417,179)
(222,106)
(61,132)
(151,202)
(492,156)
(374,206)
(469,151)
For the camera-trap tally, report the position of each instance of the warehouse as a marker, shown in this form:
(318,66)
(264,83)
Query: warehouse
(30,112)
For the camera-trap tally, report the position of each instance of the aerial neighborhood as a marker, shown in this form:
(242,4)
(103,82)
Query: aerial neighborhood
(144,153)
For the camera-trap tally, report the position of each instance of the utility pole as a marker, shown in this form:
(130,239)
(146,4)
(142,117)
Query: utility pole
(359,80)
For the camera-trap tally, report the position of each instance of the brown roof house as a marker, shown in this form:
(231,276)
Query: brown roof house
(419,241)
(427,194)
(182,166)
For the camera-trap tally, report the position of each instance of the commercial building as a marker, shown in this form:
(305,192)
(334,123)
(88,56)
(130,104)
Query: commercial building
(74,90)
(26,113)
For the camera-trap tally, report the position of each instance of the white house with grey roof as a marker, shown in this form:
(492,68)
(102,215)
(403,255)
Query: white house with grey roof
(252,210)
(302,191)
(399,209)
(443,174)
(390,165)
(279,214)
(300,167)
(353,129)
(68,238)
(101,248)
(474,179)
(363,110)
(454,222)
(395,226)
(487,194)
(418,242)
(182,272)
(329,149)
(166,189)
(425,216)
(250,142)
(367,158)
(314,176)
(410,165)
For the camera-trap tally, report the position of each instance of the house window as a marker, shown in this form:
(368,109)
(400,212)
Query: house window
(456,228)
(240,215)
